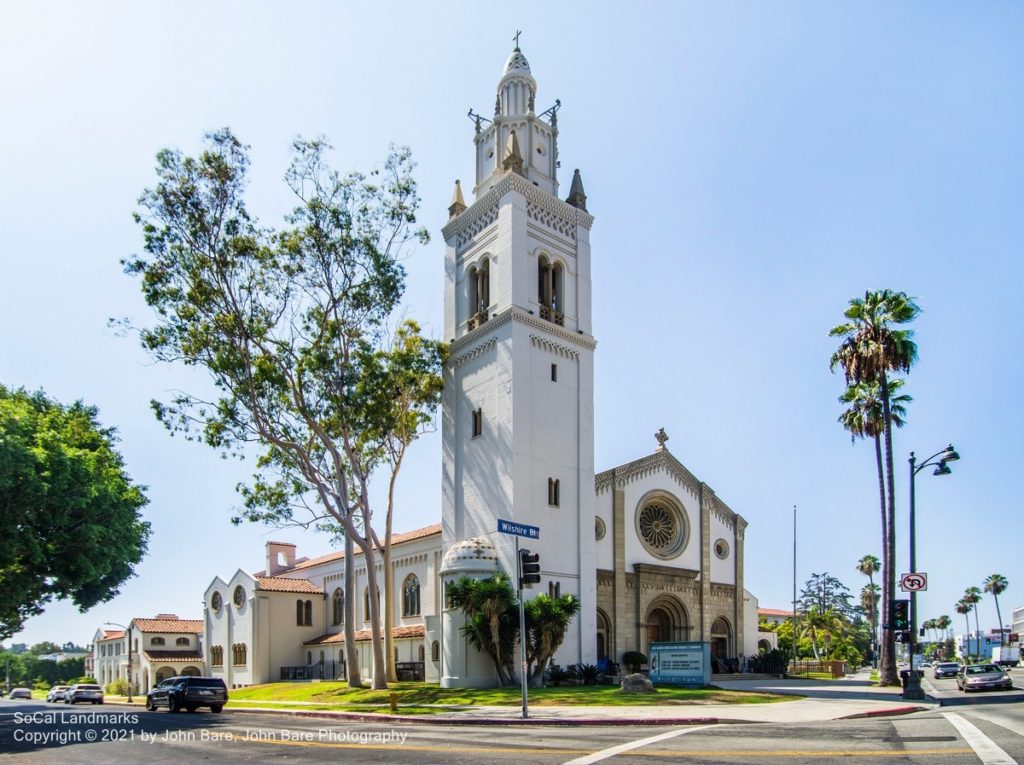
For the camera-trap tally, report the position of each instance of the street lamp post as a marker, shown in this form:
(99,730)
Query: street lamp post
(939,460)
(128,634)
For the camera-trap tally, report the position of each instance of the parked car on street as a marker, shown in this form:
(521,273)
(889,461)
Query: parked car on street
(190,693)
(979,677)
(83,692)
(56,693)
(21,693)
(946,669)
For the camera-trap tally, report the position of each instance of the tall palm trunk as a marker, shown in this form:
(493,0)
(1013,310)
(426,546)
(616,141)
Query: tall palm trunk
(888,674)
(881,645)
(999,616)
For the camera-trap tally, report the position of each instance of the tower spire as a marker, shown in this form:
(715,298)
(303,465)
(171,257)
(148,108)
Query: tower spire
(577,197)
(458,204)
(513,159)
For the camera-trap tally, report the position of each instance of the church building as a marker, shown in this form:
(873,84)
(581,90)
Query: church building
(652,552)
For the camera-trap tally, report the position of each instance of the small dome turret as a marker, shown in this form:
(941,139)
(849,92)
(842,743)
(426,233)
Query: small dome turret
(517,88)
(475,555)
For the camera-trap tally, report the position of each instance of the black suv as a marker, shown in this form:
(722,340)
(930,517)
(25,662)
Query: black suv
(187,692)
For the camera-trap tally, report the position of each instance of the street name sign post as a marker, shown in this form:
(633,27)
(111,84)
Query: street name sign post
(530,532)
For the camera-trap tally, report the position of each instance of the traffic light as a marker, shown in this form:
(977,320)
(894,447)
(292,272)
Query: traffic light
(901,615)
(529,568)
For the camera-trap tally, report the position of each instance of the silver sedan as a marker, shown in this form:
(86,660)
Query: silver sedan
(979,677)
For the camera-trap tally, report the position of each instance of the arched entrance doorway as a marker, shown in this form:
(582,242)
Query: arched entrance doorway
(191,671)
(721,643)
(666,621)
(604,631)
(162,674)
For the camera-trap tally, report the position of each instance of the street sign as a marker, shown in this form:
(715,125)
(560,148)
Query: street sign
(518,529)
(916,582)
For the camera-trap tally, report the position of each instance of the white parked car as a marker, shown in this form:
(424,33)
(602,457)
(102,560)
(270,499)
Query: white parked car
(56,693)
(21,693)
(82,692)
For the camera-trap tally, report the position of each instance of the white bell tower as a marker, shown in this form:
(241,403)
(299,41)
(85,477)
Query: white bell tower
(518,405)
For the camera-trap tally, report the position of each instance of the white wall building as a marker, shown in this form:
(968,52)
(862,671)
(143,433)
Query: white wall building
(651,551)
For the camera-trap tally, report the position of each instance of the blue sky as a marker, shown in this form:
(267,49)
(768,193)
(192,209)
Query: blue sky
(751,167)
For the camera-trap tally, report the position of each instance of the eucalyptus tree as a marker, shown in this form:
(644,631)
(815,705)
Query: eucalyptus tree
(871,349)
(289,324)
(997,584)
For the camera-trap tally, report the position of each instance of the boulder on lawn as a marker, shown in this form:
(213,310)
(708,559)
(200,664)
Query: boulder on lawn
(637,683)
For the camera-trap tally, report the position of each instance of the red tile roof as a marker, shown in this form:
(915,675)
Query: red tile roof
(164,624)
(112,634)
(396,539)
(174,656)
(415,631)
(773,612)
(287,584)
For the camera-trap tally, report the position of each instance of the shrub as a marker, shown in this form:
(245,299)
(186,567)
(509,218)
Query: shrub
(117,688)
(586,674)
(556,675)
(634,660)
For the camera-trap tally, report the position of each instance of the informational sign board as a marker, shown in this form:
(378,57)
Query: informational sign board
(518,529)
(680,663)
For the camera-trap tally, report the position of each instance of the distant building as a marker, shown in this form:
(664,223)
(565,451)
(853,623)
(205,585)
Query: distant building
(161,647)
(975,645)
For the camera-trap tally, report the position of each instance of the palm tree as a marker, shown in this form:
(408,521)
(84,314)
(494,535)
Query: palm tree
(997,584)
(972,595)
(870,350)
(486,601)
(963,607)
(869,565)
(943,623)
(547,619)
(821,623)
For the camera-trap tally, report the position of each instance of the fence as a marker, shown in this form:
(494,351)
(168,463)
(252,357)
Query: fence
(811,669)
(322,670)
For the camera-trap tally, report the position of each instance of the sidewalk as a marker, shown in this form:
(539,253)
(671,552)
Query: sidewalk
(851,697)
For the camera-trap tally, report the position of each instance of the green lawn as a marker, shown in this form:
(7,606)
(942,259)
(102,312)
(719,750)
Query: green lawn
(426,698)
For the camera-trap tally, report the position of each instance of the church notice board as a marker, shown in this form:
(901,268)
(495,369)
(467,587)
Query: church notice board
(680,663)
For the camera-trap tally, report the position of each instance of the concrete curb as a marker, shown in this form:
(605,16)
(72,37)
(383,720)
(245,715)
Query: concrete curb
(893,712)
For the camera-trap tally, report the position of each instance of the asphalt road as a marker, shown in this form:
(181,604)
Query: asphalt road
(35,733)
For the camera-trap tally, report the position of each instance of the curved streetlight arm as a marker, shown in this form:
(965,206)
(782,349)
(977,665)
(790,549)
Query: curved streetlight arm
(128,634)
(948,454)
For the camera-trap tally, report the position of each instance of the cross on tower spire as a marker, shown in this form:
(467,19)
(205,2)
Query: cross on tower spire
(516,37)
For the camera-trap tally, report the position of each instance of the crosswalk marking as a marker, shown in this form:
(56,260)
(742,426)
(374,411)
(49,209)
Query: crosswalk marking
(987,750)
(612,751)
(999,718)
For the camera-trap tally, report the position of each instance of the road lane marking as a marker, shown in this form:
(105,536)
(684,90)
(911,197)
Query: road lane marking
(1003,720)
(671,755)
(986,749)
(612,751)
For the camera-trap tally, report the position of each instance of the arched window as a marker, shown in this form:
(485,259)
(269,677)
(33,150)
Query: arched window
(181,641)
(435,651)
(366,603)
(158,641)
(338,606)
(479,293)
(217,656)
(411,596)
(549,291)
(309,657)
(308,611)
(554,492)
(422,652)
(238,654)
(298,613)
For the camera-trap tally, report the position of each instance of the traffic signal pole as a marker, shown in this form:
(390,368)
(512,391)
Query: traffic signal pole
(522,632)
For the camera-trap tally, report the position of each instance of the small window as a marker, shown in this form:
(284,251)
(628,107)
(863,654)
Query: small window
(239,598)
(158,641)
(411,596)
(554,490)
(338,602)
(216,603)
(238,654)
(478,422)
(181,641)
(308,613)
(299,613)
(554,373)
(435,651)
